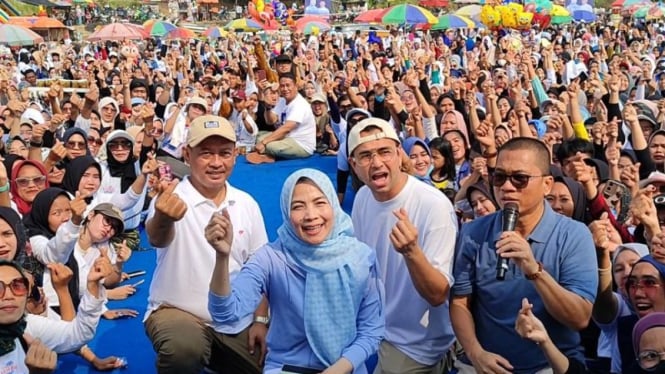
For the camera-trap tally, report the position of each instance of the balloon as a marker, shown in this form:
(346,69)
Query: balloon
(490,17)
(281,11)
(260,5)
(530,8)
(524,20)
(542,20)
(508,18)
(253,12)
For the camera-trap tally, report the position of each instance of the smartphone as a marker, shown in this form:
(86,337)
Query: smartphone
(165,173)
(615,193)
(261,75)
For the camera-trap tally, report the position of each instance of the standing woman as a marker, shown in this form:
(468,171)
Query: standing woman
(321,282)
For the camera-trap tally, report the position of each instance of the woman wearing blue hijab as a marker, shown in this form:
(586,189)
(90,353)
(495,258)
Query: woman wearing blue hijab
(321,282)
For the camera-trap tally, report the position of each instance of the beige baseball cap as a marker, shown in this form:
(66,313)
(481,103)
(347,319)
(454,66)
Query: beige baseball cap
(206,126)
(111,211)
(355,139)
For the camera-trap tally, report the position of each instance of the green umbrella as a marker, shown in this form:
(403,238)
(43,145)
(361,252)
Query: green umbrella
(160,28)
(561,20)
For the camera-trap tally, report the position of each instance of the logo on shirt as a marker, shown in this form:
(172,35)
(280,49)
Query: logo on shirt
(10,368)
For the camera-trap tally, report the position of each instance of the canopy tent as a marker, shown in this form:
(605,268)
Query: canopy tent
(50,29)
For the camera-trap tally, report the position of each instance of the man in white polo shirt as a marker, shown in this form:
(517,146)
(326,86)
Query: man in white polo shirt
(295,126)
(413,228)
(177,321)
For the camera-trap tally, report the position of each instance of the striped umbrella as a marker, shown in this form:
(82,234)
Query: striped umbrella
(407,14)
(469,11)
(215,33)
(180,33)
(13,35)
(160,28)
(311,27)
(453,21)
(243,24)
(4,17)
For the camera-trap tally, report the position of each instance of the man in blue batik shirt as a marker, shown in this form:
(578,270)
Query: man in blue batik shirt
(552,262)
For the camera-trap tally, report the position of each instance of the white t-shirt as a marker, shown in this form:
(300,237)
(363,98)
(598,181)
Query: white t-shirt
(14,361)
(183,271)
(244,137)
(300,112)
(421,331)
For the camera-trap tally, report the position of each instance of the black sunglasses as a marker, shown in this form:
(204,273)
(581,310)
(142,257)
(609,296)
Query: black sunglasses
(518,180)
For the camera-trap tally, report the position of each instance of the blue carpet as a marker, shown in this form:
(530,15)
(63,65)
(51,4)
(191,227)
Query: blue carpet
(126,338)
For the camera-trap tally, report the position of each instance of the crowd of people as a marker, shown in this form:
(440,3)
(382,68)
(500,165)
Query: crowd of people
(507,215)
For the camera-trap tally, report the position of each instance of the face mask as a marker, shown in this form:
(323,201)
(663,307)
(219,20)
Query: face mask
(660,368)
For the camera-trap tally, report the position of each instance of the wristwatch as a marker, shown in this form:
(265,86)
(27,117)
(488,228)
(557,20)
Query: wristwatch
(263,320)
(537,274)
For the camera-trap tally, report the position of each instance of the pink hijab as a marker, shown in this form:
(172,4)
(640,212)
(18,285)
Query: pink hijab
(461,125)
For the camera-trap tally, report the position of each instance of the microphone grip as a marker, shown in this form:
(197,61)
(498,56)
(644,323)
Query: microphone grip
(501,268)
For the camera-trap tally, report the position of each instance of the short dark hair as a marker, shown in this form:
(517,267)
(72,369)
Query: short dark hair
(289,75)
(539,149)
(570,147)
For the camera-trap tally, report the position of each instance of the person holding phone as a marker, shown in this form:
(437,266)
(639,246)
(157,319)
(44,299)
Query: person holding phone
(324,293)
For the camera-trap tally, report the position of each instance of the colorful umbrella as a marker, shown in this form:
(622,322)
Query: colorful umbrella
(452,21)
(300,22)
(118,31)
(13,35)
(313,27)
(433,3)
(641,12)
(656,12)
(469,11)
(407,14)
(4,17)
(243,24)
(180,33)
(370,16)
(631,3)
(561,20)
(215,33)
(584,16)
(160,28)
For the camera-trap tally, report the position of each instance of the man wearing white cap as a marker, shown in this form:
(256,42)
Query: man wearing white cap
(413,228)
(177,321)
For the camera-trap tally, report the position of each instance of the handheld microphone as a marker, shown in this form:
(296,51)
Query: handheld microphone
(510,216)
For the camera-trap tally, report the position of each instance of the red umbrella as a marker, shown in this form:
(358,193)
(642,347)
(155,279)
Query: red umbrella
(433,3)
(118,31)
(370,16)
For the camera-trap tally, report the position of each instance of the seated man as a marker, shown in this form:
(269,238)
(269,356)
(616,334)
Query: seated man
(295,126)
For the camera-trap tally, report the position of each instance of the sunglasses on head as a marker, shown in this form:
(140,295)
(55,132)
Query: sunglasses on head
(518,180)
(19,287)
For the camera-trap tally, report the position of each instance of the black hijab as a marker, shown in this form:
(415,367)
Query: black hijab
(36,223)
(126,171)
(12,218)
(579,198)
(73,131)
(14,330)
(9,162)
(74,172)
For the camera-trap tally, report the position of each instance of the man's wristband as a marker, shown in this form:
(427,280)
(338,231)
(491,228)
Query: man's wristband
(262,320)
(36,144)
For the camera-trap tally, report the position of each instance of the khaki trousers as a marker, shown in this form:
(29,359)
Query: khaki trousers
(393,361)
(184,344)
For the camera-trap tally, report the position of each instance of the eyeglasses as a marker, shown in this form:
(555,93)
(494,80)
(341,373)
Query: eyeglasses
(648,284)
(108,109)
(650,359)
(116,146)
(19,287)
(75,145)
(384,154)
(157,131)
(518,180)
(93,140)
(25,182)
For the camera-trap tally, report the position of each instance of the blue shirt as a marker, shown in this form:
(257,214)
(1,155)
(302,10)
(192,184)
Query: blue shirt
(268,272)
(566,249)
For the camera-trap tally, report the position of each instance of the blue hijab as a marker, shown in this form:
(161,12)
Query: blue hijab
(337,272)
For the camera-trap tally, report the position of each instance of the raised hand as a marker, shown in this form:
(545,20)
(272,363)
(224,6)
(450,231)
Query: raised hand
(529,326)
(58,152)
(123,252)
(39,359)
(170,204)
(404,235)
(101,268)
(78,207)
(219,232)
(61,274)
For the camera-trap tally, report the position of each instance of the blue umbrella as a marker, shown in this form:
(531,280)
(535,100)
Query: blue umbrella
(584,16)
